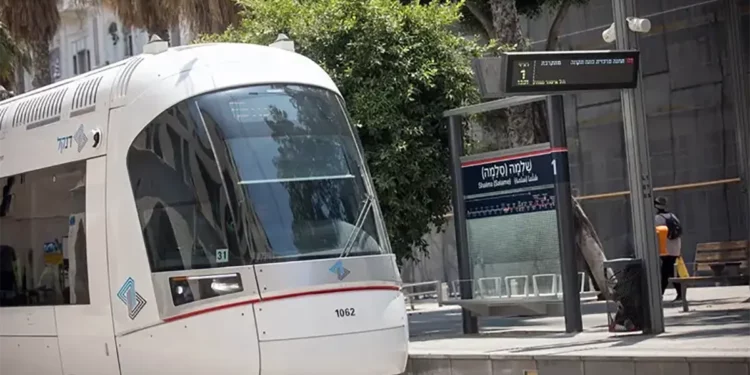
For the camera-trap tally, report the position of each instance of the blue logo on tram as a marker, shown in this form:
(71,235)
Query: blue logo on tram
(340,271)
(130,297)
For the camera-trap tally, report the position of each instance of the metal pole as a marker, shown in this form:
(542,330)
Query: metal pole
(639,177)
(565,228)
(740,100)
(459,216)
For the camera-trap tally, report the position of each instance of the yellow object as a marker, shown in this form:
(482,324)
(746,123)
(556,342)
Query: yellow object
(661,235)
(681,268)
(54,259)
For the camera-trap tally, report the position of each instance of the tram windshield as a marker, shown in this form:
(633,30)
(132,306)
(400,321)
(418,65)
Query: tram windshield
(253,174)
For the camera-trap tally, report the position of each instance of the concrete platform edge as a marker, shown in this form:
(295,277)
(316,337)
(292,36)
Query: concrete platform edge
(567,364)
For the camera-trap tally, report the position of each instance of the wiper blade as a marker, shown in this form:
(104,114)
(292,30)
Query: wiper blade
(358,225)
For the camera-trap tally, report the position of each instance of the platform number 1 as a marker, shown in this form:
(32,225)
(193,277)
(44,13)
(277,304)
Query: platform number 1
(554,166)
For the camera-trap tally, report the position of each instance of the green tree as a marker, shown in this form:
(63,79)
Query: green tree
(159,16)
(498,19)
(13,55)
(398,68)
(35,24)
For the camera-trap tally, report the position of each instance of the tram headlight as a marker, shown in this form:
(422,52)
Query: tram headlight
(188,289)
(222,287)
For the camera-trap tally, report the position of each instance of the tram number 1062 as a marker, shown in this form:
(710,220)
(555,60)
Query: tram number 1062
(343,313)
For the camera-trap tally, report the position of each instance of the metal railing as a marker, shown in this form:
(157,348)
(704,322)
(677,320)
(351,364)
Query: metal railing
(518,286)
(423,290)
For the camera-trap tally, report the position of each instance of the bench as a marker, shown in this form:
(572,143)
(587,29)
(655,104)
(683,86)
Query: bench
(724,262)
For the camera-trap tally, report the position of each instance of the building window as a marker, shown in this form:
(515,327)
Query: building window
(128,36)
(43,259)
(81,57)
(95,31)
(54,64)
(82,62)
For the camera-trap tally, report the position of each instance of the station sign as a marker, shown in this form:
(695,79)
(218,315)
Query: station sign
(512,184)
(510,201)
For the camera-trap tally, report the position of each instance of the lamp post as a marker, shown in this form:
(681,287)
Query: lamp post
(639,165)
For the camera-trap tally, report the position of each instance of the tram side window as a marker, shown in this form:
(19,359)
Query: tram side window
(43,258)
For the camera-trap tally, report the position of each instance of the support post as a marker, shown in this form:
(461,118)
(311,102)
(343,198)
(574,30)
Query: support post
(566,230)
(455,133)
(639,177)
(739,103)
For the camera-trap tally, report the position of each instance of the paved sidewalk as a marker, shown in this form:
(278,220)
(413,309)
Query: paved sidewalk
(716,330)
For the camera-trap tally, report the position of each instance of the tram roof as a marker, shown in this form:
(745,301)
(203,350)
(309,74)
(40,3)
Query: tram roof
(122,82)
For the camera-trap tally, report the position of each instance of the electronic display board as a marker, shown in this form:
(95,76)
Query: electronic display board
(550,72)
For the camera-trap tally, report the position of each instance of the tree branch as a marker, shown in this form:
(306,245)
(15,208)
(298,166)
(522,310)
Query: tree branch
(554,30)
(483,19)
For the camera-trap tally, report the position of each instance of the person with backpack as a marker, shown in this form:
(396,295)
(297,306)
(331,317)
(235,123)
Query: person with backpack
(674,243)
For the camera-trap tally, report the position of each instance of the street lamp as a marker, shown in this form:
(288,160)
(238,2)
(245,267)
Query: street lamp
(638,25)
(637,156)
(283,42)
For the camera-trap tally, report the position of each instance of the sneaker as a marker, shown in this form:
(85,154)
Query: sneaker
(626,326)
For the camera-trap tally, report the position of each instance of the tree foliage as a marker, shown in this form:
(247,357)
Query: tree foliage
(158,16)
(398,68)
(35,24)
(528,8)
(532,8)
(478,15)
(13,55)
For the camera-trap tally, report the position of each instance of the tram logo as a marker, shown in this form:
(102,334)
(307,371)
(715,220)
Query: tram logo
(66,142)
(340,271)
(80,138)
(130,297)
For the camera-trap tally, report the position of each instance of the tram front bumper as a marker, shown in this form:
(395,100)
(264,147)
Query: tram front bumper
(355,332)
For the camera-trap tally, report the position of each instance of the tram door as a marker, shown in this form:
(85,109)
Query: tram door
(84,324)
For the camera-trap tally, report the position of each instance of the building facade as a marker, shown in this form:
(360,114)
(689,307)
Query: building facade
(91,37)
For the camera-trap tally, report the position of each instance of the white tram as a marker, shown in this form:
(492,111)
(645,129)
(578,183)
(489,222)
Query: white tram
(196,210)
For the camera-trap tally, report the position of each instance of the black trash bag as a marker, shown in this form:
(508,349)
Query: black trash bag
(627,294)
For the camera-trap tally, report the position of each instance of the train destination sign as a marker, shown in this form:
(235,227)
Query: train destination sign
(528,73)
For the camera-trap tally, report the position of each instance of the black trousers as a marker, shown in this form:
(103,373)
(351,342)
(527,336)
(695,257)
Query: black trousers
(667,271)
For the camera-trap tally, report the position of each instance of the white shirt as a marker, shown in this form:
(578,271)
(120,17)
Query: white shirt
(674,247)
